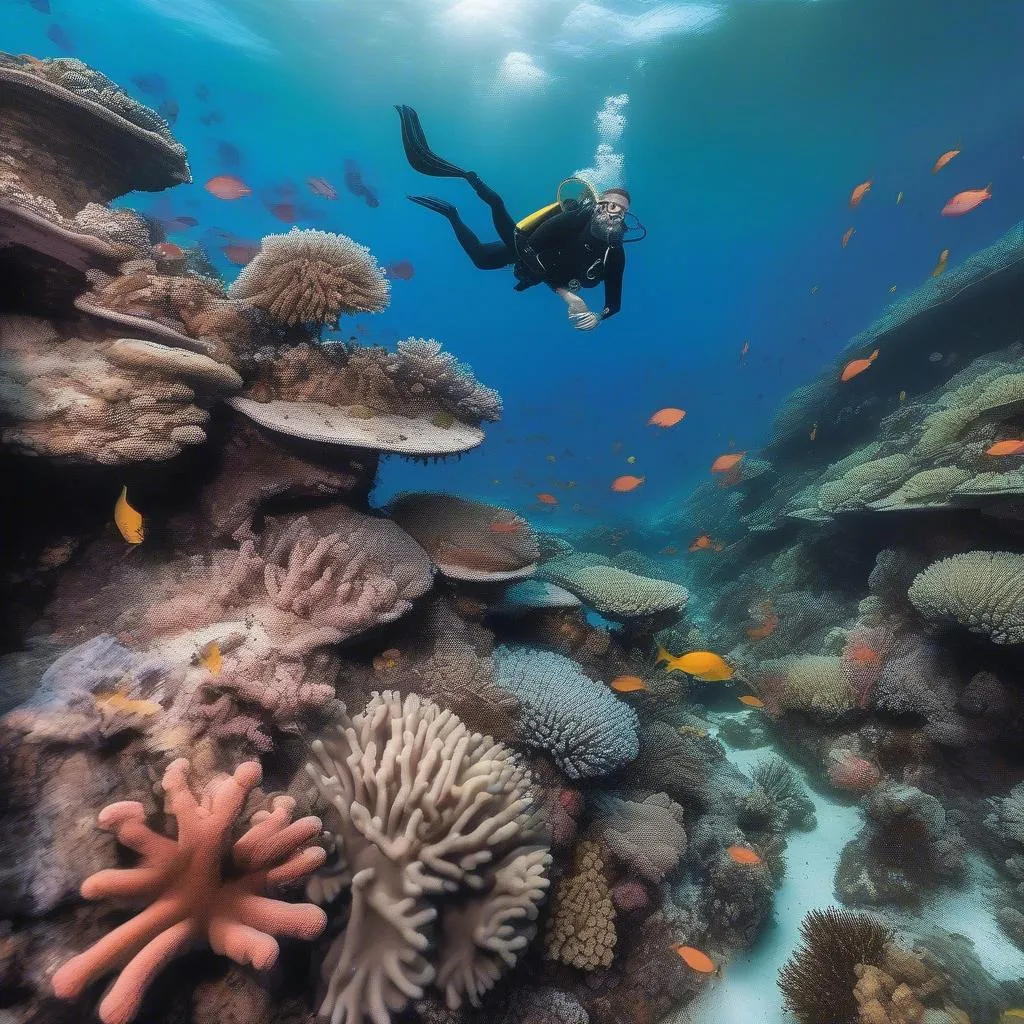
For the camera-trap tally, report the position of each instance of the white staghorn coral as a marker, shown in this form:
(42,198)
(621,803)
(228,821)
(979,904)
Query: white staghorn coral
(423,810)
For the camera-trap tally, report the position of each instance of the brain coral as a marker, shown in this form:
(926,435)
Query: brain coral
(585,729)
(980,590)
(312,277)
(438,836)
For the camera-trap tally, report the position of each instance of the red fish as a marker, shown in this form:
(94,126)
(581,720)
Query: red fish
(228,187)
(847,235)
(284,212)
(240,253)
(944,159)
(322,187)
(860,192)
(855,366)
(506,527)
(667,417)
(964,202)
(401,269)
(622,484)
(168,250)
(1013,447)
(547,499)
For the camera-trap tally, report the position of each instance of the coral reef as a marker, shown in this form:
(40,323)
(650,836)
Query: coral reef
(647,836)
(313,278)
(584,728)
(423,810)
(193,900)
(581,930)
(467,540)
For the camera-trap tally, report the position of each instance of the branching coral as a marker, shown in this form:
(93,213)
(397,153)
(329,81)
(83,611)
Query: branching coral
(467,540)
(194,901)
(581,931)
(580,723)
(790,806)
(424,811)
(983,591)
(818,980)
(312,277)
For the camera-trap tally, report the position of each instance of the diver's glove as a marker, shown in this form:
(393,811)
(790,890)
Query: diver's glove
(584,320)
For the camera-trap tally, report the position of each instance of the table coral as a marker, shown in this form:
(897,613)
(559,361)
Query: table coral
(436,832)
(615,593)
(193,900)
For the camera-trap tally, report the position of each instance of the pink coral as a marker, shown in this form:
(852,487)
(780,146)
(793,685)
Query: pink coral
(192,900)
(629,895)
(848,771)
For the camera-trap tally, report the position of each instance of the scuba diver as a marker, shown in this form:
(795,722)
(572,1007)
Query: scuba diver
(570,244)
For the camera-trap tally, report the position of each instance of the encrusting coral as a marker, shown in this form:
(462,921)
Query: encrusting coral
(647,836)
(581,930)
(579,723)
(436,833)
(312,277)
(194,899)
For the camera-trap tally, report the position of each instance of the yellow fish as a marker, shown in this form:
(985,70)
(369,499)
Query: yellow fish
(703,665)
(118,702)
(814,290)
(631,459)
(551,458)
(899,199)
(941,265)
(128,519)
(892,289)
(210,657)
(903,396)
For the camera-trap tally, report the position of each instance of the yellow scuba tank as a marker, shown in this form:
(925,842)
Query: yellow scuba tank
(573,193)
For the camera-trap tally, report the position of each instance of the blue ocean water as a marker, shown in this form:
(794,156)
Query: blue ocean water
(740,128)
(747,126)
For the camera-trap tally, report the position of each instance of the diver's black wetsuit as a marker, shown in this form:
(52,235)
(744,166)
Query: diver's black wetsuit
(569,253)
(562,252)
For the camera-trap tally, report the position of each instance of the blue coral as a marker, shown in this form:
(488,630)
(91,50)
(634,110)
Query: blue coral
(585,729)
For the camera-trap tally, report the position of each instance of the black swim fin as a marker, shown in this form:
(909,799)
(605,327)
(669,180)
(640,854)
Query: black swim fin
(437,205)
(418,153)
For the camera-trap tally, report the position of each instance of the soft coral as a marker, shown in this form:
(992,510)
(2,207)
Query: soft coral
(192,901)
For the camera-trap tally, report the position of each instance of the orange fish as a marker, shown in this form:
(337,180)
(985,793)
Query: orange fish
(743,855)
(696,959)
(751,702)
(512,527)
(726,462)
(621,484)
(168,250)
(855,366)
(847,235)
(944,159)
(386,660)
(547,499)
(227,186)
(701,543)
(964,202)
(628,684)
(860,192)
(861,654)
(669,549)
(941,265)
(667,417)
(1006,448)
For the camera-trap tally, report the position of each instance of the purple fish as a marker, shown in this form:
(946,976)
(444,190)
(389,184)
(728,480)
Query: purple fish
(42,6)
(169,110)
(229,154)
(357,186)
(401,269)
(155,85)
(213,117)
(60,38)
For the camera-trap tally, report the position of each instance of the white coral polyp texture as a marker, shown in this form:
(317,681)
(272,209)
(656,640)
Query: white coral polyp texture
(312,277)
(584,728)
(423,810)
(983,591)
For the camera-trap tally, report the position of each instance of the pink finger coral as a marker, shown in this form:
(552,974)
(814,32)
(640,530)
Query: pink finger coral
(192,900)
